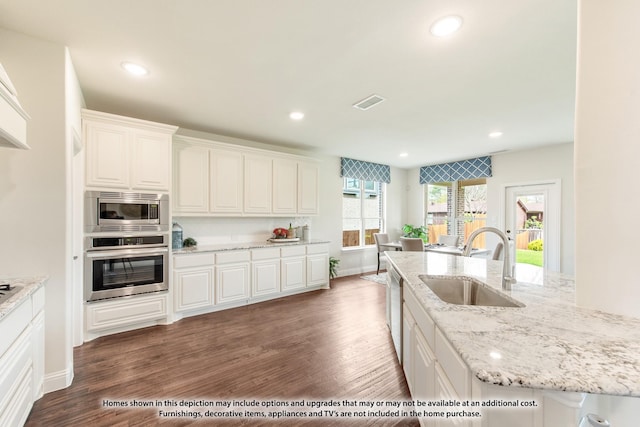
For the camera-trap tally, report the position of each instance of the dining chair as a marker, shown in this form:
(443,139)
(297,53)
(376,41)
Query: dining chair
(380,238)
(448,240)
(412,244)
(497,251)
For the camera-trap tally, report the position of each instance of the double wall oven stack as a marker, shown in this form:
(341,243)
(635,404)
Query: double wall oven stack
(126,244)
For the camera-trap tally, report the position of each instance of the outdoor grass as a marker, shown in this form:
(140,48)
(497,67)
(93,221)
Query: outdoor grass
(529,257)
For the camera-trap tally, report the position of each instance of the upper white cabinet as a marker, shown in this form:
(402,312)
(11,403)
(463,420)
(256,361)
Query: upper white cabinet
(213,178)
(285,186)
(307,188)
(225,193)
(13,119)
(126,153)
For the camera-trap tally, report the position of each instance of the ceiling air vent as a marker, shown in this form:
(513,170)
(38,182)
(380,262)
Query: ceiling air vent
(368,102)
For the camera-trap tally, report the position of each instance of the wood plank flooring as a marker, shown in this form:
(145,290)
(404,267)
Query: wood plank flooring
(323,345)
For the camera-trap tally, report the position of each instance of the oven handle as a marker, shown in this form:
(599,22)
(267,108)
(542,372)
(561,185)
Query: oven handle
(123,253)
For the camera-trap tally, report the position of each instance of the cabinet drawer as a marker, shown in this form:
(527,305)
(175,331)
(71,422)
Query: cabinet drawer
(293,251)
(13,324)
(317,249)
(424,321)
(185,261)
(113,314)
(456,369)
(229,257)
(269,253)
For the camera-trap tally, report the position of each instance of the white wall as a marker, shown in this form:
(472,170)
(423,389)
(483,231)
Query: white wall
(544,163)
(608,155)
(33,191)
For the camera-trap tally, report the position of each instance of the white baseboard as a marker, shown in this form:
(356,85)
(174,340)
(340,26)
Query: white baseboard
(359,270)
(58,380)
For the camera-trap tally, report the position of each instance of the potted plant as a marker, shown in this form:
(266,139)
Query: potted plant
(333,267)
(415,232)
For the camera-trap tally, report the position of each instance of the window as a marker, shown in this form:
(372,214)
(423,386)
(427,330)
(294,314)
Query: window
(362,212)
(456,208)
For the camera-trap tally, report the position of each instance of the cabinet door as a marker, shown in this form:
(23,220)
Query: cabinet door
(293,273)
(444,391)
(285,186)
(423,367)
(151,163)
(265,277)
(38,355)
(232,282)
(190,178)
(226,188)
(307,189)
(193,288)
(108,154)
(257,184)
(317,269)
(408,325)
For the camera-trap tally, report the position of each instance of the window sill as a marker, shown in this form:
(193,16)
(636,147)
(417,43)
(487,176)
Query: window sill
(358,248)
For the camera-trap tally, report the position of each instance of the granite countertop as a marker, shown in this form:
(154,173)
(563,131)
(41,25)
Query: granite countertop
(28,286)
(548,344)
(237,246)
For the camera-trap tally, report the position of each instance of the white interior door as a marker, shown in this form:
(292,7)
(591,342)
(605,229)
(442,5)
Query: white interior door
(540,200)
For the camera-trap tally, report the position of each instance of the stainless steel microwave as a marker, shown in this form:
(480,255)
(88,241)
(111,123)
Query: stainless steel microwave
(129,212)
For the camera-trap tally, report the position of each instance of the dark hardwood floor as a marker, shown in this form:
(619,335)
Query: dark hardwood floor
(323,345)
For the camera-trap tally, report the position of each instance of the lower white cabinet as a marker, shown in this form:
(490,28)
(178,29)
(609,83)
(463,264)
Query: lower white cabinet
(193,282)
(232,276)
(21,359)
(294,268)
(265,272)
(122,314)
(317,265)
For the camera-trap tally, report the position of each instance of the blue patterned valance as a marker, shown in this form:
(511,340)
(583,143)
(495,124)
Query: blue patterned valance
(455,171)
(366,171)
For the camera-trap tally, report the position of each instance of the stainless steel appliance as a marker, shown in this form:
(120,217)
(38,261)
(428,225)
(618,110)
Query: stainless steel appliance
(126,212)
(125,265)
(394,308)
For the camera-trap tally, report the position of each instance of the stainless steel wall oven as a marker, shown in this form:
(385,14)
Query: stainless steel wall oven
(125,265)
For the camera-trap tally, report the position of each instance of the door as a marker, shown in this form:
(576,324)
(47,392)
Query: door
(532,220)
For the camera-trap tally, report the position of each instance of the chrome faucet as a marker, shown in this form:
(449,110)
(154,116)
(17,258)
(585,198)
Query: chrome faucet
(507,278)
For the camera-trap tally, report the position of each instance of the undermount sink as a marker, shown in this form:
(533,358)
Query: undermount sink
(467,291)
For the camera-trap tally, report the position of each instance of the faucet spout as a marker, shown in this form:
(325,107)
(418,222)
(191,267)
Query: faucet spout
(507,278)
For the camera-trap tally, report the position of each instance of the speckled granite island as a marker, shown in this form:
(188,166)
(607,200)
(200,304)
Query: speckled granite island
(548,348)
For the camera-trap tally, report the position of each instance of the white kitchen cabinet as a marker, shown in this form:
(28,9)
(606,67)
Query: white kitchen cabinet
(190,178)
(293,268)
(226,182)
(21,359)
(123,314)
(265,272)
(285,187)
(258,171)
(126,153)
(193,282)
(318,265)
(408,346)
(232,276)
(308,196)
(13,119)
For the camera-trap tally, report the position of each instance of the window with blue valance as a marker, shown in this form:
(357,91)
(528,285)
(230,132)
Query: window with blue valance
(365,171)
(479,167)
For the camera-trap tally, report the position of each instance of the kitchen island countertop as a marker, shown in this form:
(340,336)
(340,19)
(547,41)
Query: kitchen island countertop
(28,286)
(239,246)
(548,344)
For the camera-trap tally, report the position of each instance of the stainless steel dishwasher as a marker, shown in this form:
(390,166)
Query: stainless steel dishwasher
(394,308)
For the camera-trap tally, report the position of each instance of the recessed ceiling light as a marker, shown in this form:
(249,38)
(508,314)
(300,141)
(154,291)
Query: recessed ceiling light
(496,134)
(296,115)
(446,26)
(404,154)
(135,69)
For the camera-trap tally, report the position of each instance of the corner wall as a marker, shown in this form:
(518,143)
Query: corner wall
(33,192)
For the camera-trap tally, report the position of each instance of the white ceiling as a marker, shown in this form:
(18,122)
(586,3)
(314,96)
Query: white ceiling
(239,67)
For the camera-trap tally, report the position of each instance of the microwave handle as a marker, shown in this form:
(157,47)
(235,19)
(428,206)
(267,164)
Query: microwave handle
(123,253)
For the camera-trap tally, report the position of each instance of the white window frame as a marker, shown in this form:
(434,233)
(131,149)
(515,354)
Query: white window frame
(380,189)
